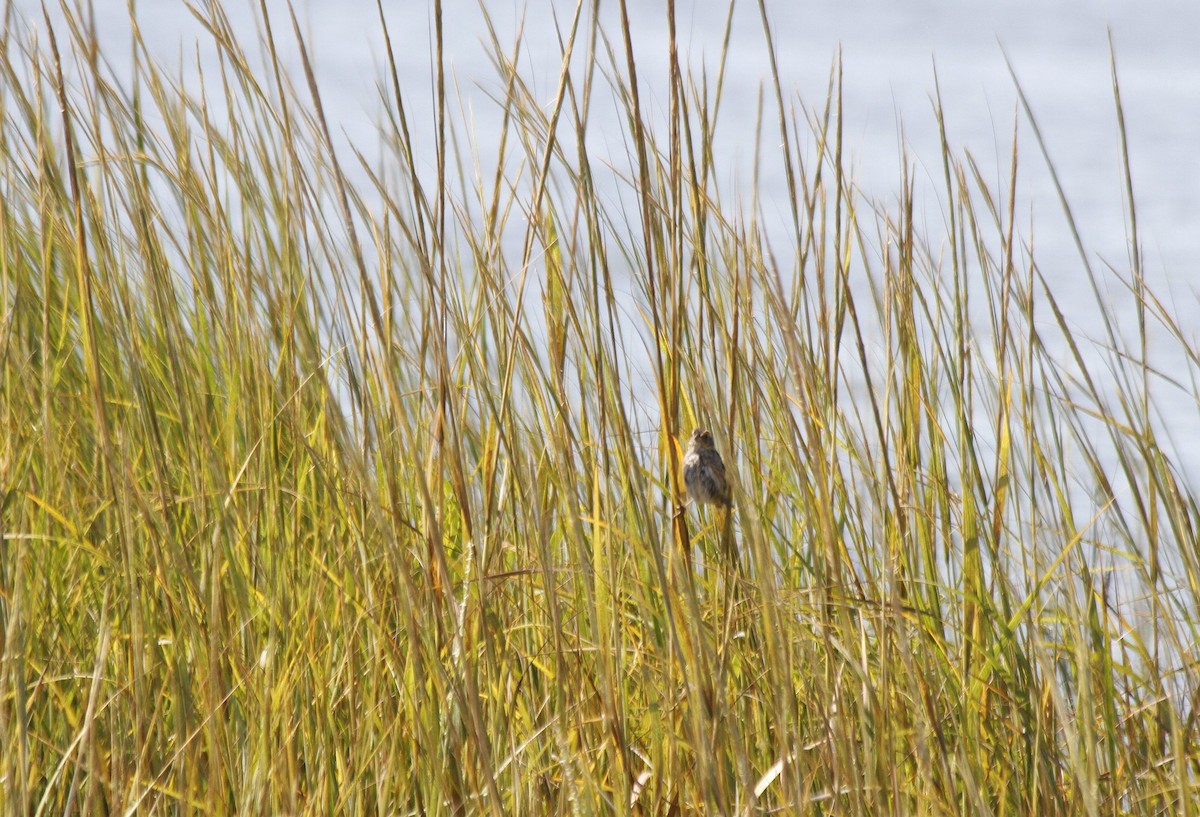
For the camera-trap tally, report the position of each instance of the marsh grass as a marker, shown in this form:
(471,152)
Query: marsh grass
(331,496)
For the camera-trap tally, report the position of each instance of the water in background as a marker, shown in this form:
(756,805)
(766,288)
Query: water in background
(1059,51)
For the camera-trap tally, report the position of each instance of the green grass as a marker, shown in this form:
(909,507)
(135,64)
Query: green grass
(328,497)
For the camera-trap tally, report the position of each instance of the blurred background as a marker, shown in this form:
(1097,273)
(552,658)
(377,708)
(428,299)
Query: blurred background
(890,52)
(895,59)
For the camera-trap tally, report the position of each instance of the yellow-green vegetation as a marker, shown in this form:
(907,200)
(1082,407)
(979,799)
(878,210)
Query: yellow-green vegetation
(323,495)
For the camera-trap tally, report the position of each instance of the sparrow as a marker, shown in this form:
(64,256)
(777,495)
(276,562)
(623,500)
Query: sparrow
(704,471)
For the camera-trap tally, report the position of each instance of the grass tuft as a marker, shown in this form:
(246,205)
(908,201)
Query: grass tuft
(338,485)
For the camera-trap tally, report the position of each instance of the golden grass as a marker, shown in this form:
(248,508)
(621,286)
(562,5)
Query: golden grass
(326,498)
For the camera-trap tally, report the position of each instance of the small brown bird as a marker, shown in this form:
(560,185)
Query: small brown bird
(704,471)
